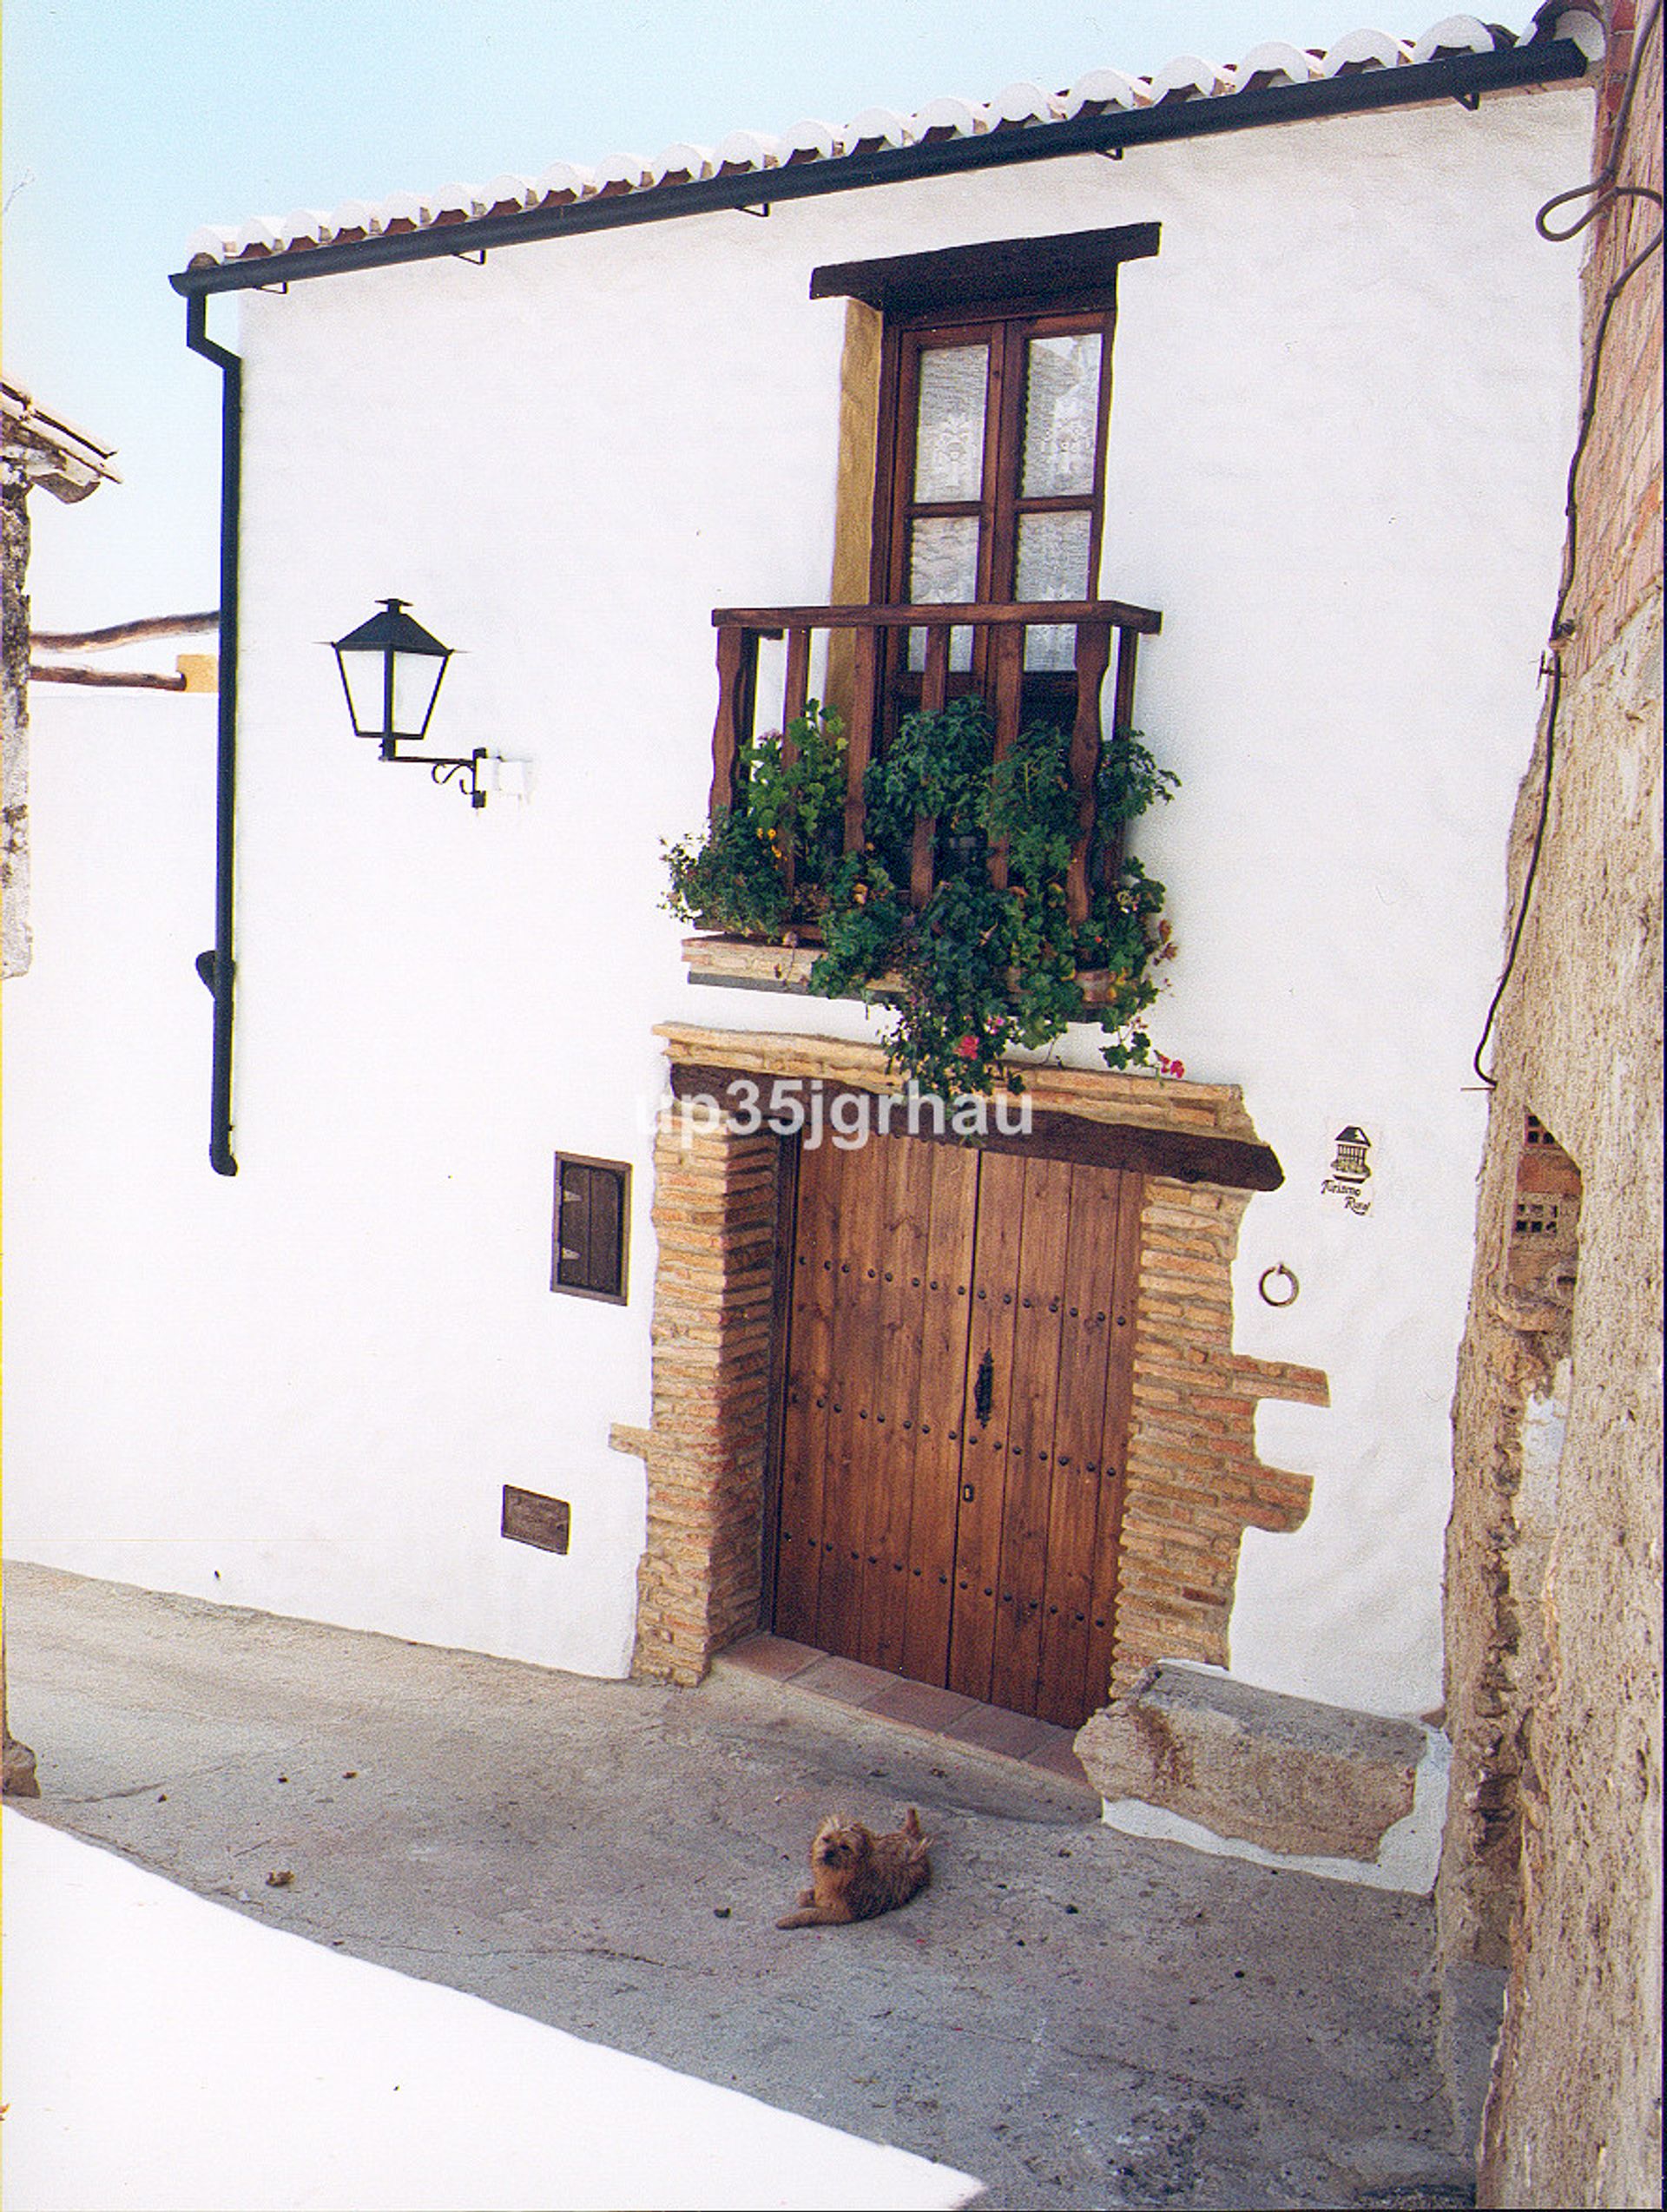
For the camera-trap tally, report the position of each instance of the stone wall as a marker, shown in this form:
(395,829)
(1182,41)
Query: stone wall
(14,722)
(1551,1861)
(1194,1482)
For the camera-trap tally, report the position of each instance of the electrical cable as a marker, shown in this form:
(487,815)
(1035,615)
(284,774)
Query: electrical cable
(1603,192)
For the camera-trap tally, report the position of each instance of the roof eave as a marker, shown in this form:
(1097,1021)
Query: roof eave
(57,456)
(1462,77)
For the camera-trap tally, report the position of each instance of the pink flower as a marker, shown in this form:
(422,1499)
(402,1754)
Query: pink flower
(968,1047)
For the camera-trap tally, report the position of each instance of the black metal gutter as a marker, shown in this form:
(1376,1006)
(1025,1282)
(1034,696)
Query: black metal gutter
(1464,77)
(217,968)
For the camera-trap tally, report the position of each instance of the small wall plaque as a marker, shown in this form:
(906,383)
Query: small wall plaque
(1349,1177)
(528,1519)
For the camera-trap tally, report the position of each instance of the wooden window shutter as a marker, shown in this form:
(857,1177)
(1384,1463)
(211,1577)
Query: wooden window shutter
(592,1211)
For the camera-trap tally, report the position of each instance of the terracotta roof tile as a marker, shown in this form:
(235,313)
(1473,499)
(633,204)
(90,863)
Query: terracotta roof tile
(1018,107)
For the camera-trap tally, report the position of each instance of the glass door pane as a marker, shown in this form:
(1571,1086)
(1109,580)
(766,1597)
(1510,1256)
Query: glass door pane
(949,423)
(1052,564)
(1061,415)
(943,568)
(949,440)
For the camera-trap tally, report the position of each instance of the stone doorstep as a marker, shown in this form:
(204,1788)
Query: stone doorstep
(1287,1773)
(961,1723)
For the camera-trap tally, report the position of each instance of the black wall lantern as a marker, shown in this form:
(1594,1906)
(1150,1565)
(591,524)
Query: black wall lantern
(391,670)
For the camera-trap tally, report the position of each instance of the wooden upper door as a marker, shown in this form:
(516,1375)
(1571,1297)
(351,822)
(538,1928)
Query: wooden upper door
(956,1407)
(994,490)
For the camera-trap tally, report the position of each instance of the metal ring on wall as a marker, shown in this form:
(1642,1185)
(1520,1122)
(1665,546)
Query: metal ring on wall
(1267,1276)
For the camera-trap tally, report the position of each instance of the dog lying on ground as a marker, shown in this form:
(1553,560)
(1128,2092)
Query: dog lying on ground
(856,1874)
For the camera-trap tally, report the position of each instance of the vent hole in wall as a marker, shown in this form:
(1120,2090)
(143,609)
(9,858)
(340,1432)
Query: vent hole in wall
(1545,1216)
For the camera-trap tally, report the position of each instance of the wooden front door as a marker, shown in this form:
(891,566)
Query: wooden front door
(956,1407)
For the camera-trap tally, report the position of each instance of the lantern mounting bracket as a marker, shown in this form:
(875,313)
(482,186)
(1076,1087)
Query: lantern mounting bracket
(443,770)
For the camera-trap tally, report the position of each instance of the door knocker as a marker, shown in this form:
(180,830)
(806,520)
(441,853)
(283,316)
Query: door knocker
(1279,1272)
(984,1391)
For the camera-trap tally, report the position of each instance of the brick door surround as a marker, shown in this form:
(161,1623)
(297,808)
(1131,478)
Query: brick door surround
(1193,1481)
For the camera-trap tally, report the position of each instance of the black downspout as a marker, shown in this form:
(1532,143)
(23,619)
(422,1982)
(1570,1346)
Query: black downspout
(217,968)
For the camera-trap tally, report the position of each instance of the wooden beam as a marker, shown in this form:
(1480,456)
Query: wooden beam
(1232,1163)
(134,633)
(770,621)
(109,679)
(1032,269)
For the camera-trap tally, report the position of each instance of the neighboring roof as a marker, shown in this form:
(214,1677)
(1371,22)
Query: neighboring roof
(65,461)
(1458,58)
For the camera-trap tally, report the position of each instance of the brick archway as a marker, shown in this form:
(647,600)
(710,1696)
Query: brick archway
(1193,1484)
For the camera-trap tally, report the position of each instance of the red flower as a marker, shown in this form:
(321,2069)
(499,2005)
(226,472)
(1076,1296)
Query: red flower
(968,1047)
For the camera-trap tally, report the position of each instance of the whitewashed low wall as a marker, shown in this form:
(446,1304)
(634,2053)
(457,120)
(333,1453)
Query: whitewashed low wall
(1343,401)
(164,2054)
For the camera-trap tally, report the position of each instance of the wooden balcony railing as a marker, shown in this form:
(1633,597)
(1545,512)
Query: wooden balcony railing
(873,680)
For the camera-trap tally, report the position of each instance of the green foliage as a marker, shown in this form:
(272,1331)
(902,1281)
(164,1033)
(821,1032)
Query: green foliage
(732,878)
(729,879)
(1130,779)
(1031,803)
(863,921)
(800,799)
(937,765)
(977,969)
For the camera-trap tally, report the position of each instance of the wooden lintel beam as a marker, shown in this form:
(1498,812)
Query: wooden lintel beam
(1183,1156)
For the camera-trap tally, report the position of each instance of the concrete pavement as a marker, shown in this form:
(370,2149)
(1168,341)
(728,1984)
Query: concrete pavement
(1084,2019)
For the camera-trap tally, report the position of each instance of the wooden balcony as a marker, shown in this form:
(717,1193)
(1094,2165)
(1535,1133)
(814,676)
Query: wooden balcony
(867,676)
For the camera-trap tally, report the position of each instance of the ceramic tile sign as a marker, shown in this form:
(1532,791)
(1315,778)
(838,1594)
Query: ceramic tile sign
(1347,1184)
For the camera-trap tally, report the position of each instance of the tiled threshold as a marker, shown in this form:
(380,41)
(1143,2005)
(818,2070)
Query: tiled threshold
(915,1706)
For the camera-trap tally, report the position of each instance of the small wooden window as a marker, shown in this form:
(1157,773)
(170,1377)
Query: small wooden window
(592,1212)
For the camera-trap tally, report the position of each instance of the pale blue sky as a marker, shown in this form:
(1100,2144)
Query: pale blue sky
(128,123)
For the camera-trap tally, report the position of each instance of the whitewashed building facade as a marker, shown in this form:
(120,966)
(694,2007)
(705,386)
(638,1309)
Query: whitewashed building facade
(565,419)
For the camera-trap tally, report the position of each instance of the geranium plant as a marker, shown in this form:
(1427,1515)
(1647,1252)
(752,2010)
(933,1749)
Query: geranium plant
(980,966)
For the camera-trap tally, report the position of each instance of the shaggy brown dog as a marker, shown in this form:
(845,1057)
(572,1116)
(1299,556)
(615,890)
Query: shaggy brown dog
(856,1874)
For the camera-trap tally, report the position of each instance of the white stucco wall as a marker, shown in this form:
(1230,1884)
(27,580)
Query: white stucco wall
(1343,402)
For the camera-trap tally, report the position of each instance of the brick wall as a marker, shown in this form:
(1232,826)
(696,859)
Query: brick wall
(714,1219)
(1194,1482)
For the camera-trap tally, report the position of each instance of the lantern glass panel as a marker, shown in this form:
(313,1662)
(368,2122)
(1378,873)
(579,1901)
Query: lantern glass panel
(362,673)
(416,680)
